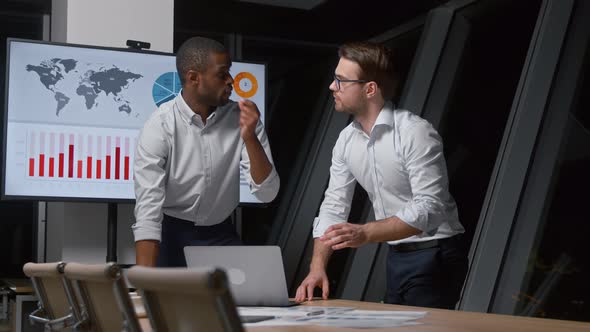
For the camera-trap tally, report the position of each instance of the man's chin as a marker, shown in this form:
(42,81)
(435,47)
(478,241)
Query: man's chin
(223,100)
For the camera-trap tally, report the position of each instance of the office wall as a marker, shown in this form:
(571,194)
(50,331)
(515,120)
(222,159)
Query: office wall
(111,22)
(78,231)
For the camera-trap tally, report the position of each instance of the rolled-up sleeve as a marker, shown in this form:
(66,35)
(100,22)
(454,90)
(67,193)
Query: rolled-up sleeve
(338,197)
(150,180)
(425,163)
(268,189)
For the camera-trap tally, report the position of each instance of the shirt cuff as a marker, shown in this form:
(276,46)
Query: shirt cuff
(320,226)
(268,189)
(413,218)
(147,231)
(254,187)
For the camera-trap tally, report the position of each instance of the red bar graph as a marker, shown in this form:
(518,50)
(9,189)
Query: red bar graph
(79,156)
(89,167)
(99,154)
(108,159)
(89,159)
(32,153)
(117,157)
(31,166)
(79,169)
(98,168)
(51,154)
(51,166)
(42,154)
(71,157)
(60,167)
(41,165)
(126,172)
(108,168)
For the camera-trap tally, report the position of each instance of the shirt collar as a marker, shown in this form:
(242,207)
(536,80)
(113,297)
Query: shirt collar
(187,113)
(385,117)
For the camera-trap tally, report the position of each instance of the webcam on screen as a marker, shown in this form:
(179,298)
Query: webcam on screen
(138,45)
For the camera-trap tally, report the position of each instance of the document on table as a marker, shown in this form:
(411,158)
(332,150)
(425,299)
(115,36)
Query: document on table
(333,316)
(296,311)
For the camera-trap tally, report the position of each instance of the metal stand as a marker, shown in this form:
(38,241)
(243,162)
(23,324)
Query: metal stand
(112,233)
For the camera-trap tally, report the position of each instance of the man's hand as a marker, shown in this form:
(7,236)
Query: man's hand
(345,235)
(249,116)
(315,278)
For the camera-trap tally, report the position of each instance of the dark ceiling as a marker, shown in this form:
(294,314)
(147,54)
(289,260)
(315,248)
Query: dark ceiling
(25,6)
(333,21)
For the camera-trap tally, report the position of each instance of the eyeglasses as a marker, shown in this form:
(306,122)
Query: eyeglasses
(338,81)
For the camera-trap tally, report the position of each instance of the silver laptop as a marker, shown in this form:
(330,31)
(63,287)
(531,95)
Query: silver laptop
(256,274)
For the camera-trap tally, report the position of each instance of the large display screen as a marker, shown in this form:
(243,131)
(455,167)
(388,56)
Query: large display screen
(73,114)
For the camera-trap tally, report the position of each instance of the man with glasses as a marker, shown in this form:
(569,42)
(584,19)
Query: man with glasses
(397,157)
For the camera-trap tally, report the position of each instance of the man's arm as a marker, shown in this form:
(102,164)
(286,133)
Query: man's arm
(347,235)
(317,276)
(422,150)
(334,210)
(260,166)
(149,177)
(146,252)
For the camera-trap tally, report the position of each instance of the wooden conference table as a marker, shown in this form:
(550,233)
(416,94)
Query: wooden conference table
(437,320)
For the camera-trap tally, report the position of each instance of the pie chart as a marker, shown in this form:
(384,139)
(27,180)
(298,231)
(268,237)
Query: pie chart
(245,84)
(166,87)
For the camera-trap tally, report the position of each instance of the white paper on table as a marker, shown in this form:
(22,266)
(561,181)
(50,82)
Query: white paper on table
(295,311)
(332,316)
(355,322)
(368,314)
(277,322)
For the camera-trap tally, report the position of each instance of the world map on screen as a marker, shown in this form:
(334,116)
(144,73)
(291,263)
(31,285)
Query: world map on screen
(67,79)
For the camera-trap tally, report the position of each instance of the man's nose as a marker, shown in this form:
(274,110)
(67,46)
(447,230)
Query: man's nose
(332,86)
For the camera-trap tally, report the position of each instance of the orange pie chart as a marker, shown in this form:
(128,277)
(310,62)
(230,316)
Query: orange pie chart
(245,84)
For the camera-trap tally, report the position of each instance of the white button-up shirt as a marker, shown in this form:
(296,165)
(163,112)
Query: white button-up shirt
(402,168)
(191,171)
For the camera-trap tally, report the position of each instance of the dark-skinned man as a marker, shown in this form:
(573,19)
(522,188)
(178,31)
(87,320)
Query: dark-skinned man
(188,160)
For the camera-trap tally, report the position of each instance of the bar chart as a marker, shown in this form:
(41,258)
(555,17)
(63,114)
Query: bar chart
(73,162)
(59,155)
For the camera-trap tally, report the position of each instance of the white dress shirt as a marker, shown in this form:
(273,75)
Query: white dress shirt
(402,168)
(191,171)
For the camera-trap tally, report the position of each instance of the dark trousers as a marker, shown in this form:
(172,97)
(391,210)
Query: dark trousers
(431,277)
(179,233)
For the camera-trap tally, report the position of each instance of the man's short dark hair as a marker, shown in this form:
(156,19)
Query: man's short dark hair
(376,62)
(193,54)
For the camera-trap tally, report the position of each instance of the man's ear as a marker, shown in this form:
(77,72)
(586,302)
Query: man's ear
(192,77)
(371,89)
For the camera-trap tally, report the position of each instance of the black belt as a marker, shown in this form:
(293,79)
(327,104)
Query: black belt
(413,246)
(174,219)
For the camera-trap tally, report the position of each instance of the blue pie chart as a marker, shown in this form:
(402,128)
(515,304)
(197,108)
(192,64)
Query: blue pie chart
(166,87)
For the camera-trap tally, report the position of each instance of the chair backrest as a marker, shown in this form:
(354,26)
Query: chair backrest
(57,301)
(179,299)
(104,296)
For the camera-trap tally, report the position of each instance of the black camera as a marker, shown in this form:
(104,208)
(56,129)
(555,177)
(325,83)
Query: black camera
(138,45)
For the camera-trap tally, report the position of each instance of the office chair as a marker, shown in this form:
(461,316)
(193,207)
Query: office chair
(179,299)
(57,307)
(104,296)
